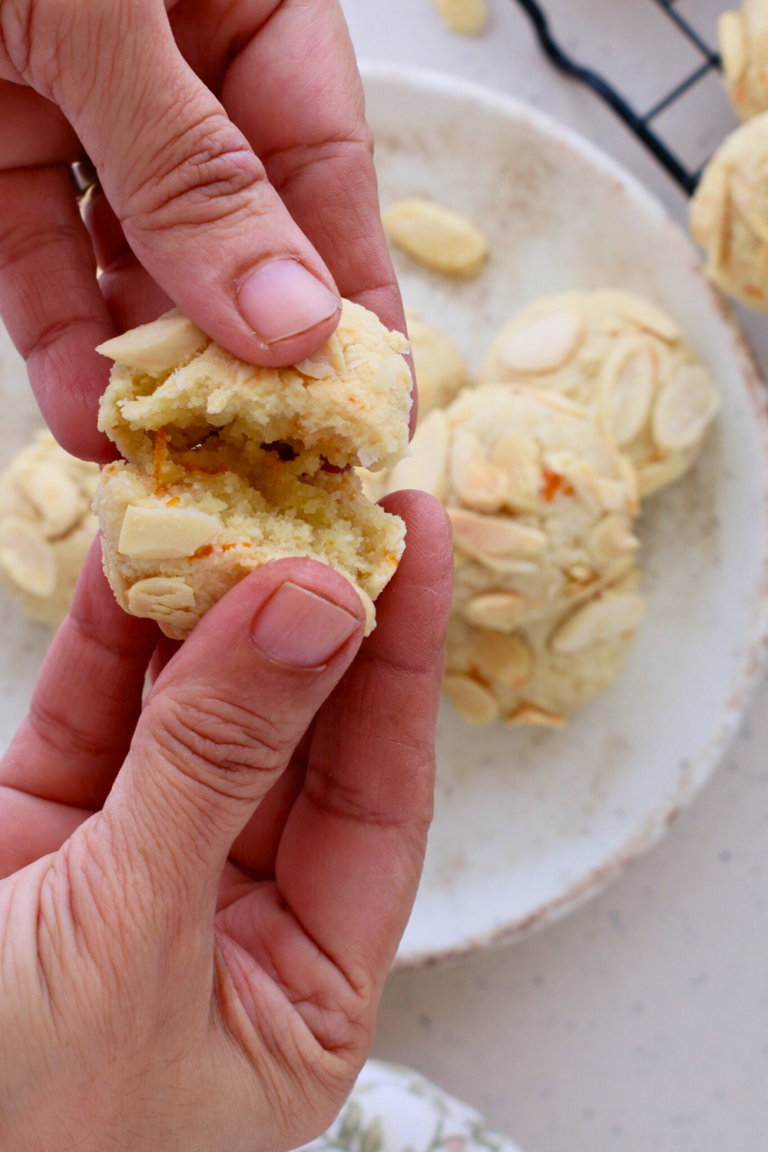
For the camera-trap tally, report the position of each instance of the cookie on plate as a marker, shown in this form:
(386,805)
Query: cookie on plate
(229,466)
(540,499)
(625,359)
(540,674)
(441,371)
(46,526)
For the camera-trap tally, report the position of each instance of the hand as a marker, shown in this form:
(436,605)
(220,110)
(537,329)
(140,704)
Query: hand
(229,138)
(202,899)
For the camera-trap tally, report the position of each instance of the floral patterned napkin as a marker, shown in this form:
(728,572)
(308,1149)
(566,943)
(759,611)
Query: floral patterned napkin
(393,1109)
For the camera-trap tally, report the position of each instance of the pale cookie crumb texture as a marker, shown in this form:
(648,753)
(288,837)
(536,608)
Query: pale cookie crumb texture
(436,236)
(729,215)
(538,675)
(743,39)
(230,466)
(540,499)
(46,527)
(441,371)
(349,403)
(628,362)
(468,17)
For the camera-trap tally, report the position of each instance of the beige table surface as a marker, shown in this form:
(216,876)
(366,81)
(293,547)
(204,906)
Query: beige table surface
(641,1022)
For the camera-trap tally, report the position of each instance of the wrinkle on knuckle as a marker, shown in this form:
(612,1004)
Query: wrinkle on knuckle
(202,174)
(293,161)
(354,805)
(32,33)
(216,734)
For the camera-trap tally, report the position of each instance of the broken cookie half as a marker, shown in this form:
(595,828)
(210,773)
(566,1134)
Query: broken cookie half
(229,466)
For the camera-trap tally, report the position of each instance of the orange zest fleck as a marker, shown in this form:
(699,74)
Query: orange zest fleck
(173,502)
(201,553)
(161,452)
(554,484)
(199,468)
(236,544)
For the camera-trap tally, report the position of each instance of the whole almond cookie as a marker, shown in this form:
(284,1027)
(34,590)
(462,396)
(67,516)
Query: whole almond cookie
(625,359)
(729,215)
(540,499)
(541,673)
(441,371)
(230,466)
(46,526)
(743,39)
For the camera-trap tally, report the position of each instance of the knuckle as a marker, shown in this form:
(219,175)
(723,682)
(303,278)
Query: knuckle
(349,153)
(222,742)
(202,174)
(31,35)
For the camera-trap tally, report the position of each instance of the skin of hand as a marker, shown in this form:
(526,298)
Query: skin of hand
(201,897)
(236,181)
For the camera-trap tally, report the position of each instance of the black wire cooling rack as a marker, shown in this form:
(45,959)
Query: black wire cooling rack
(641,123)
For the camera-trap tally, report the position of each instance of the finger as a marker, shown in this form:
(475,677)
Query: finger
(31,828)
(224,718)
(51,304)
(257,845)
(296,93)
(86,702)
(191,195)
(351,854)
(33,132)
(130,293)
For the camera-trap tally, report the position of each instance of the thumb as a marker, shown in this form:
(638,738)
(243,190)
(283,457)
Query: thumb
(224,719)
(193,198)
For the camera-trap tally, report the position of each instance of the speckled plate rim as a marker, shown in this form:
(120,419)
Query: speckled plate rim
(700,769)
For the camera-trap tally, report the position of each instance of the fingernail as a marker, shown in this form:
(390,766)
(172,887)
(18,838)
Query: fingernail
(282,299)
(300,629)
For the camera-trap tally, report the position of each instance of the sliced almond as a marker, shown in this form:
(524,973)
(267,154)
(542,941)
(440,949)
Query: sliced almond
(392,373)
(685,408)
(506,659)
(468,17)
(156,347)
(518,458)
(437,236)
(476,482)
(627,385)
(543,344)
(160,596)
(644,314)
(659,474)
(606,618)
(26,558)
(427,467)
(612,537)
(117,582)
(500,611)
(55,496)
(529,716)
(631,483)
(328,361)
(749,204)
(370,609)
(165,533)
(474,702)
(732,37)
(490,537)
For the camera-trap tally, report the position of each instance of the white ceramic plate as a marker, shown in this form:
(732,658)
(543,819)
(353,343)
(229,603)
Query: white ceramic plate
(528,825)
